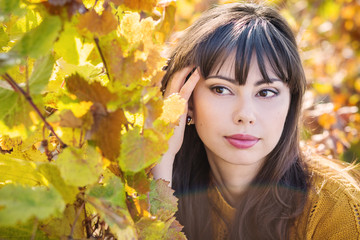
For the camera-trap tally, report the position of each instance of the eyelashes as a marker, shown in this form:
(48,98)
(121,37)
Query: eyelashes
(221,90)
(267,93)
(263,93)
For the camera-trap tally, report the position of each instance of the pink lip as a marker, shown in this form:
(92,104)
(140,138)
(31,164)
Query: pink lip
(242,141)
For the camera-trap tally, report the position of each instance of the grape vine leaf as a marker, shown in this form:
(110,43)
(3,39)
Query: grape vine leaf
(79,166)
(139,182)
(96,24)
(68,119)
(106,132)
(8,99)
(135,30)
(19,171)
(41,74)
(153,229)
(40,40)
(66,45)
(112,191)
(162,199)
(61,227)
(94,92)
(53,176)
(138,5)
(21,203)
(139,151)
(4,38)
(173,108)
(22,231)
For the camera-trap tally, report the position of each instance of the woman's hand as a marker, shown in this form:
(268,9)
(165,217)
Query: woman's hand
(177,84)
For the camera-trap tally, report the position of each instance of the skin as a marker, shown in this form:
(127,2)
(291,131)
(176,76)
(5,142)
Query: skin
(220,107)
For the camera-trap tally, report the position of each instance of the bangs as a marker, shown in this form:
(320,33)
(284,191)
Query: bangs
(247,38)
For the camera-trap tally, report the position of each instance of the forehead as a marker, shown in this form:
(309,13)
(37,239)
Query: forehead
(227,67)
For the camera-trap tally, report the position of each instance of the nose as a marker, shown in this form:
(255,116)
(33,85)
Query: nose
(244,112)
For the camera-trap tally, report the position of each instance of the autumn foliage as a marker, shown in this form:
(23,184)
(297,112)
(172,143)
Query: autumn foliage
(82,118)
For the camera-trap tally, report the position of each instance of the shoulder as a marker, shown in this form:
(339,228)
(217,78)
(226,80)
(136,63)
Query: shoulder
(333,207)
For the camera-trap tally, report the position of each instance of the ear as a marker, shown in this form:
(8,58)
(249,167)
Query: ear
(191,107)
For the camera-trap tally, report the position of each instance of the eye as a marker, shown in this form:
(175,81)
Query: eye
(221,90)
(267,93)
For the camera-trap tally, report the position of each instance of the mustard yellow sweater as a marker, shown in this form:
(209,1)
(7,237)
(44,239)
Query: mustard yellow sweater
(331,213)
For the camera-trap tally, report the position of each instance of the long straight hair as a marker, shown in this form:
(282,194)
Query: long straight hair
(278,193)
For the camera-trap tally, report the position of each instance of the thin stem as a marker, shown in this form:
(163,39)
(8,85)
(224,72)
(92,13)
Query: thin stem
(102,57)
(35,227)
(27,77)
(76,219)
(17,88)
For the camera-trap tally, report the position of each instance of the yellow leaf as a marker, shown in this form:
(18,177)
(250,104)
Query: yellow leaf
(7,143)
(173,108)
(96,24)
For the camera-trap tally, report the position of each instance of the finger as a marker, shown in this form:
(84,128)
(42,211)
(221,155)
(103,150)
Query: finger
(190,84)
(177,81)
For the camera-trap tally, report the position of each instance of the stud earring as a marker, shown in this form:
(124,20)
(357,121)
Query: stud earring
(188,120)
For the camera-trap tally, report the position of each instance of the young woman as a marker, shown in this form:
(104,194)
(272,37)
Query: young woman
(234,160)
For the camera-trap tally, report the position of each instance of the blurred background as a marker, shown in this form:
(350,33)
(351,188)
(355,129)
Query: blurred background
(328,35)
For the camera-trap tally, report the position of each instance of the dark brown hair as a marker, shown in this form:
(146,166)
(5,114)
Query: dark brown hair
(278,193)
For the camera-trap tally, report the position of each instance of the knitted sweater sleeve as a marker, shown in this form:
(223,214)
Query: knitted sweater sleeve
(332,212)
(334,216)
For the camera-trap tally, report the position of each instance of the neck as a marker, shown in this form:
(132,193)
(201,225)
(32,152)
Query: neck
(232,180)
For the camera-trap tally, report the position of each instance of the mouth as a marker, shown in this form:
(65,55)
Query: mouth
(242,141)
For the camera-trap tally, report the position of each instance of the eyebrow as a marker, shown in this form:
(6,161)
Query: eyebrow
(258,83)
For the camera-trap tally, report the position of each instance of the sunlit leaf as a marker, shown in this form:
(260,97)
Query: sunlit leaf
(15,170)
(21,203)
(79,167)
(106,132)
(174,107)
(111,191)
(99,25)
(163,202)
(41,74)
(89,92)
(53,176)
(39,41)
(140,150)
(61,227)
(66,45)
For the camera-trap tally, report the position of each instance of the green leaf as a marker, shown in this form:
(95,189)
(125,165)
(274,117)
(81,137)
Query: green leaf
(8,7)
(23,231)
(113,192)
(79,166)
(4,38)
(21,203)
(162,199)
(39,41)
(19,171)
(60,228)
(151,229)
(52,174)
(41,74)
(139,151)
(8,101)
(66,45)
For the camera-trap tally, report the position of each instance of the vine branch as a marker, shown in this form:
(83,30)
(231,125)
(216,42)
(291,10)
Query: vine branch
(17,88)
(102,57)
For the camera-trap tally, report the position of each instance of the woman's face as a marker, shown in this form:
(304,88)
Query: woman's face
(240,125)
